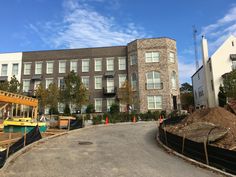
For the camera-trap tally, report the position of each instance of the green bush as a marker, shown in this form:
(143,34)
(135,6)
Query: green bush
(114,109)
(90,109)
(97,120)
(67,110)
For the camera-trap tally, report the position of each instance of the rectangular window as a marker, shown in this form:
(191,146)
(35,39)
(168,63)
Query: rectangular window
(171,57)
(61,107)
(122,63)
(98,82)
(73,66)
(151,57)
(133,59)
(85,65)
(36,84)
(98,104)
(49,67)
(153,80)
(122,79)
(233,64)
(61,82)
(62,66)
(48,82)
(85,81)
(123,107)
(110,85)
(26,85)
(4,70)
(15,68)
(212,85)
(154,102)
(110,101)
(38,68)
(27,68)
(110,64)
(98,64)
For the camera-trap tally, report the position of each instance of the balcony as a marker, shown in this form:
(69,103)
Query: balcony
(109,91)
(157,86)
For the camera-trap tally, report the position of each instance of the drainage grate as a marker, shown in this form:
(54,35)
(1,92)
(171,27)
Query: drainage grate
(85,143)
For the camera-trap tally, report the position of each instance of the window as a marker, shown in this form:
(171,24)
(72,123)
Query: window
(61,83)
(27,68)
(198,75)
(48,82)
(123,107)
(110,101)
(122,63)
(122,79)
(85,65)
(26,85)
(232,43)
(134,81)
(171,57)
(210,67)
(98,82)
(4,70)
(15,68)
(154,102)
(212,85)
(49,67)
(151,57)
(62,66)
(173,80)
(98,104)
(133,59)
(233,64)
(85,81)
(36,85)
(153,80)
(38,68)
(200,91)
(61,107)
(73,66)
(110,64)
(110,85)
(98,64)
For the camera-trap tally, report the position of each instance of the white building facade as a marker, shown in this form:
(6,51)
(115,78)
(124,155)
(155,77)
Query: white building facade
(208,78)
(10,65)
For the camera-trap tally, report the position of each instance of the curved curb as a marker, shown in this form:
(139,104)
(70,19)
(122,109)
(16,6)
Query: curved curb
(202,165)
(43,140)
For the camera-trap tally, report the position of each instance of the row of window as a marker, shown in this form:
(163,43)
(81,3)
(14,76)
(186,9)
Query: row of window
(74,65)
(4,69)
(153,102)
(85,80)
(153,80)
(151,57)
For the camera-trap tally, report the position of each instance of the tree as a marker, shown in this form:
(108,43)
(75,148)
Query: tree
(229,82)
(52,98)
(126,94)
(74,92)
(42,95)
(186,95)
(90,109)
(222,96)
(13,86)
(186,87)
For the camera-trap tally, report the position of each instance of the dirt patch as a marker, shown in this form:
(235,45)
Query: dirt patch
(219,117)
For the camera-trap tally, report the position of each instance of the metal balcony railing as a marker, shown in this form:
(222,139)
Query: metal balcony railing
(109,91)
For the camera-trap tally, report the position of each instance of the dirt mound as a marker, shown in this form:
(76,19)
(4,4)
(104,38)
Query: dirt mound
(218,116)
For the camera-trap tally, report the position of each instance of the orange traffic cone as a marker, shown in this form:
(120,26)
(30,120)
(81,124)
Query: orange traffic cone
(161,119)
(107,121)
(134,119)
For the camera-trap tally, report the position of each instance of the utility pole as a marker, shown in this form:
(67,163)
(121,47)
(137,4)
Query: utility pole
(195,47)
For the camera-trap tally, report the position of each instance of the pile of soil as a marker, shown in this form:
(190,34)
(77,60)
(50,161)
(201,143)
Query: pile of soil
(218,116)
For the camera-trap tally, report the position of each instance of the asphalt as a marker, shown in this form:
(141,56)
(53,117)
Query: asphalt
(121,150)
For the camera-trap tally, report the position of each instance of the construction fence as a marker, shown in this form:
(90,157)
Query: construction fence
(30,137)
(223,159)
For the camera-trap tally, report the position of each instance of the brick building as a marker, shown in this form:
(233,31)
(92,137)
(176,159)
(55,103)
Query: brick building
(150,65)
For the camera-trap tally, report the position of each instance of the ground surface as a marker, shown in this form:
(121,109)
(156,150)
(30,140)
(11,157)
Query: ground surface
(121,150)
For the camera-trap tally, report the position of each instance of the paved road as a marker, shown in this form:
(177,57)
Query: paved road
(121,150)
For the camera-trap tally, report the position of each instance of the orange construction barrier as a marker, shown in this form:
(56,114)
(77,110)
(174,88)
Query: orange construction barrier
(107,121)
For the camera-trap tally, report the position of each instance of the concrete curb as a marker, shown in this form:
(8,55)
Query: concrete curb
(14,156)
(202,165)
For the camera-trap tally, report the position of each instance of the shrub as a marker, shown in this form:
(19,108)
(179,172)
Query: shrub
(97,120)
(67,110)
(114,109)
(90,109)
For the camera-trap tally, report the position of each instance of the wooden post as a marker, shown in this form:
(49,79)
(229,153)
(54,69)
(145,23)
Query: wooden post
(25,137)
(16,110)
(206,154)
(12,107)
(183,144)
(9,144)
(28,108)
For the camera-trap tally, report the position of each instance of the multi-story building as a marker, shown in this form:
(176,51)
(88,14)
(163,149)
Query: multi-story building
(150,65)
(207,79)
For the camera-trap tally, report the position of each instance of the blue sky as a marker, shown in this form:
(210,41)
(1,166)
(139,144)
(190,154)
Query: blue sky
(28,25)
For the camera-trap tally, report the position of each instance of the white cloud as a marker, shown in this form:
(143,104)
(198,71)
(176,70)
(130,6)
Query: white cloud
(217,32)
(186,70)
(83,26)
